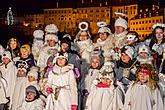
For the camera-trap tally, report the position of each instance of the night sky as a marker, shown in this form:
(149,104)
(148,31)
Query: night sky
(26,6)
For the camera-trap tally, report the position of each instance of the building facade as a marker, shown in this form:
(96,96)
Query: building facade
(143,22)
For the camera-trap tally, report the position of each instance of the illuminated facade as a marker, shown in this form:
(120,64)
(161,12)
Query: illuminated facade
(67,19)
(130,10)
(143,22)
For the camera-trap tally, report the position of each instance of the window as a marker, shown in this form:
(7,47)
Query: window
(153,21)
(146,21)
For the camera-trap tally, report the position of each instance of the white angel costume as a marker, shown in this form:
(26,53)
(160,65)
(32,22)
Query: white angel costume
(63,83)
(141,97)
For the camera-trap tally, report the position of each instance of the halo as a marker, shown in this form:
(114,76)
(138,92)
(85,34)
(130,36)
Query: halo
(86,26)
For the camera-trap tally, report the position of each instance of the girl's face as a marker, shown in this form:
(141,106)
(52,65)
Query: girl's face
(64,47)
(51,42)
(13,44)
(83,36)
(30,96)
(119,29)
(24,53)
(143,78)
(61,62)
(94,63)
(103,36)
(105,80)
(5,60)
(125,58)
(159,34)
(31,78)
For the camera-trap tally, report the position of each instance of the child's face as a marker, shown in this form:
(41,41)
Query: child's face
(24,53)
(61,62)
(31,78)
(119,29)
(105,80)
(125,58)
(30,96)
(13,44)
(64,47)
(131,41)
(83,36)
(5,60)
(51,42)
(49,63)
(159,34)
(21,72)
(103,36)
(143,54)
(143,78)
(94,63)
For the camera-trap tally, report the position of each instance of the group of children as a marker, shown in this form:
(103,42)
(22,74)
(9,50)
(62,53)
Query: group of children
(117,72)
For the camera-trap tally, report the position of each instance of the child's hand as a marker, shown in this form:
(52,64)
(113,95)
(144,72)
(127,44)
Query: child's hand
(85,92)
(49,90)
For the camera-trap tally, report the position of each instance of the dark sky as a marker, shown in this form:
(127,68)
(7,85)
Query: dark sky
(25,6)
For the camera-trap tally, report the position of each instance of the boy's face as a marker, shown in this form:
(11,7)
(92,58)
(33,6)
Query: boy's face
(143,78)
(125,58)
(31,78)
(5,60)
(30,96)
(94,63)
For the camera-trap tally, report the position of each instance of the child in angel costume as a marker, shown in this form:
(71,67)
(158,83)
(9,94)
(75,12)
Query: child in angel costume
(105,94)
(32,100)
(61,86)
(144,93)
